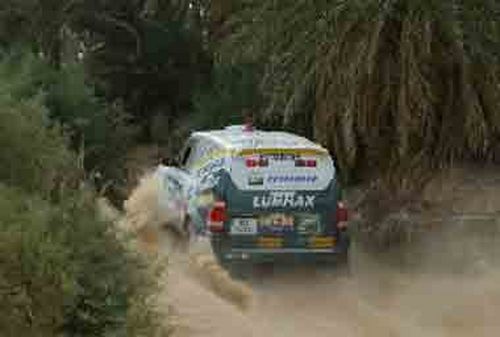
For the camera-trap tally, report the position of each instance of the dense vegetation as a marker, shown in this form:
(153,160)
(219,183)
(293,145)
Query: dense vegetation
(381,83)
(63,271)
(397,81)
(387,86)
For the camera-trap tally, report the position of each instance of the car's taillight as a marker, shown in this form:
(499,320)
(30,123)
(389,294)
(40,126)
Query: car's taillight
(306,163)
(251,162)
(311,163)
(216,217)
(254,162)
(341,216)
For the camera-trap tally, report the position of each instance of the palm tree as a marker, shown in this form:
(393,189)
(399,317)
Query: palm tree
(384,82)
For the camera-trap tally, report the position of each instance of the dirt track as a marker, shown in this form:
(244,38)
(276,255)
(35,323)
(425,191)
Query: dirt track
(375,301)
(450,285)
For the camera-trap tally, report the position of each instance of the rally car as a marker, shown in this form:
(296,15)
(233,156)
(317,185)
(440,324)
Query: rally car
(257,196)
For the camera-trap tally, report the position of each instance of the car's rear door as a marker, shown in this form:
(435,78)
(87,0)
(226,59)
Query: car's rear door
(285,194)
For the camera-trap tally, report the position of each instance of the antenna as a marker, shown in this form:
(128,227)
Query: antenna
(248,123)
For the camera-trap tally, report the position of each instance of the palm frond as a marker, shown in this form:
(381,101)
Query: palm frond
(392,79)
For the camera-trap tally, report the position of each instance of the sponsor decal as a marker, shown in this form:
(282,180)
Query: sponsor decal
(280,151)
(250,142)
(292,179)
(255,180)
(281,156)
(218,156)
(209,175)
(205,199)
(211,167)
(284,199)
(210,180)
(277,223)
(307,223)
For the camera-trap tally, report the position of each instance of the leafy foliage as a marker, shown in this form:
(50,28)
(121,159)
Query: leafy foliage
(33,154)
(387,82)
(33,268)
(231,94)
(101,132)
(149,55)
(63,270)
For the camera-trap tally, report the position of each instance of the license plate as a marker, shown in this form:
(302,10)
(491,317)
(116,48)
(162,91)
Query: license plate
(244,226)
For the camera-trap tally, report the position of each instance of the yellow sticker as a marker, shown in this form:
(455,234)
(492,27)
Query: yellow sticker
(322,242)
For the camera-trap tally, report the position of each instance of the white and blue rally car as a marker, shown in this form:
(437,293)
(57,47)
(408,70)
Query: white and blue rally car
(257,195)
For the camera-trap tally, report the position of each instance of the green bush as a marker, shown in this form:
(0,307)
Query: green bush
(33,154)
(106,275)
(101,132)
(34,274)
(64,272)
(104,131)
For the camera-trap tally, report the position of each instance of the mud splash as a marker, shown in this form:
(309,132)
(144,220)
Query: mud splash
(193,261)
(447,285)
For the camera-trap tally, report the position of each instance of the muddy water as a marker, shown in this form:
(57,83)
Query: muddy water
(449,285)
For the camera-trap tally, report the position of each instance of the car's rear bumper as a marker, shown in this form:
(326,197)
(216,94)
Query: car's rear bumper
(226,253)
(280,255)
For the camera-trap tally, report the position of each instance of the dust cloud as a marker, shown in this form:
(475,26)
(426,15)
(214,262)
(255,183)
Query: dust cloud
(447,284)
(193,260)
